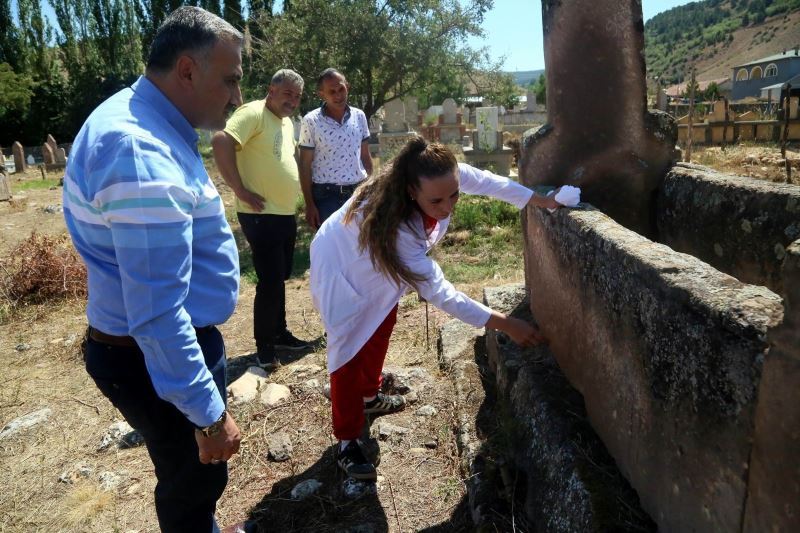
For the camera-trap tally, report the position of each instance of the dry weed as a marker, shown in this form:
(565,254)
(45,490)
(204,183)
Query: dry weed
(85,502)
(40,269)
(18,204)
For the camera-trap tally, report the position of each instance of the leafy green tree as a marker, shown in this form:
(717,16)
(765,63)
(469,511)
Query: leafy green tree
(232,12)
(389,49)
(540,89)
(15,90)
(9,44)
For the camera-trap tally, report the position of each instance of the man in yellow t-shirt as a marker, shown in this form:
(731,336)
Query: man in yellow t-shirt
(256,156)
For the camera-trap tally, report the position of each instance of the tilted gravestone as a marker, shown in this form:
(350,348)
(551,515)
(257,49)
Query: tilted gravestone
(51,141)
(61,156)
(599,135)
(19,157)
(48,154)
(5,189)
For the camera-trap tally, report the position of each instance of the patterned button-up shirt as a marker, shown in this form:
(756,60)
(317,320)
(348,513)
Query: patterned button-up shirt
(337,146)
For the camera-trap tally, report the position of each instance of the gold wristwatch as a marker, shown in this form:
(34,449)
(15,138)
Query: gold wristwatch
(214,429)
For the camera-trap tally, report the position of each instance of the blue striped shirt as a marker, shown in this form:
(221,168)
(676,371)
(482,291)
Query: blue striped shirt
(151,227)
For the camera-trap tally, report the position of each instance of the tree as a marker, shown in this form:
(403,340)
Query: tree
(232,12)
(15,90)
(390,49)
(9,44)
(540,89)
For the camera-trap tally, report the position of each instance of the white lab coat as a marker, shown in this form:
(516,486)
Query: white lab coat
(354,298)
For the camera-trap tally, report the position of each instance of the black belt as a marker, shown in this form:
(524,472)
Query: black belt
(127,341)
(335,187)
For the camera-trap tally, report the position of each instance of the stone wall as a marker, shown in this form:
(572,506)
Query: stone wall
(668,353)
(739,225)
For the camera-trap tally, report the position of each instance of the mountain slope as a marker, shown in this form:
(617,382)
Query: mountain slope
(715,35)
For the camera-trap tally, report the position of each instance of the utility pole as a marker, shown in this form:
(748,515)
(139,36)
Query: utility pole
(688,155)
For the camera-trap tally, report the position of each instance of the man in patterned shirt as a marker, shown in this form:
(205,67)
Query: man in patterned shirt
(334,149)
(162,264)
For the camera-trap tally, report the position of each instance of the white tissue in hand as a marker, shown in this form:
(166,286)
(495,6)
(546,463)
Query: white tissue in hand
(569,196)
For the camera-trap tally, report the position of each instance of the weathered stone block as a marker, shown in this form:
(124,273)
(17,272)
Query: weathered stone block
(739,225)
(773,502)
(570,481)
(667,352)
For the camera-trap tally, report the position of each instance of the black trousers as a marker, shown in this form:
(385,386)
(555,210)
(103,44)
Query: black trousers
(271,239)
(187,490)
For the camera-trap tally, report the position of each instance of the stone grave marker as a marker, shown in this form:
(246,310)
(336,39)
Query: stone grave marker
(449,111)
(487,123)
(530,103)
(61,156)
(661,100)
(52,142)
(48,154)
(5,189)
(394,120)
(19,157)
(30,160)
(412,110)
(465,115)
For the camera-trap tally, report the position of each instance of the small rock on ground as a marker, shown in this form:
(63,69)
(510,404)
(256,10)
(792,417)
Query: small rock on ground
(280,447)
(109,480)
(426,410)
(25,422)
(386,430)
(246,388)
(304,489)
(354,489)
(274,393)
(80,471)
(121,434)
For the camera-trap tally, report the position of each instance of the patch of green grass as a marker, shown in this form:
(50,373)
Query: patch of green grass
(484,241)
(34,184)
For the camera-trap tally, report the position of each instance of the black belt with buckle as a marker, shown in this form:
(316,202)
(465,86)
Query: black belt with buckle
(126,341)
(335,187)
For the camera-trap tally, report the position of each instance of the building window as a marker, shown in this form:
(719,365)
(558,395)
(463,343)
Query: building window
(742,75)
(756,73)
(771,71)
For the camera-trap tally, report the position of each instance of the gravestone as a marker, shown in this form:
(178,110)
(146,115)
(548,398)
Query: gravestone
(530,103)
(395,132)
(412,110)
(487,122)
(449,111)
(51,141)
(661,100)
(61,156)
(48,154)
(793,107)
(394,120)
(30,160)
(5,189)
(19,157)
(465,115)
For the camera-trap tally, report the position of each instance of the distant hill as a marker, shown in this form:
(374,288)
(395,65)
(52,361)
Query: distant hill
(525,77)
(716,35)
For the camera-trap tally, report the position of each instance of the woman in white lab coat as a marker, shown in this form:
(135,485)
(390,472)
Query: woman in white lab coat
(372,251)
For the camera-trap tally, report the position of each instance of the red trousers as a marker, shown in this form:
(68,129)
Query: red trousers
(359,378)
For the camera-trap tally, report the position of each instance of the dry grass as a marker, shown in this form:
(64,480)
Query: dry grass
(763,162)
(40,269)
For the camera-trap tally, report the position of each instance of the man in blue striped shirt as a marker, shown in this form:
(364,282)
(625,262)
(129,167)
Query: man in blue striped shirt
(162,263)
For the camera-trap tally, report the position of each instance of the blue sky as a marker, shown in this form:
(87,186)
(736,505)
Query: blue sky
(513,29)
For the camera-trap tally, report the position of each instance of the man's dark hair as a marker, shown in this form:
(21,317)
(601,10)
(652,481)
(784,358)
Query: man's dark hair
(187,29)
(327,74)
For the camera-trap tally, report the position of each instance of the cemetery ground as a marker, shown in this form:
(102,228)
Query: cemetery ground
(56,477)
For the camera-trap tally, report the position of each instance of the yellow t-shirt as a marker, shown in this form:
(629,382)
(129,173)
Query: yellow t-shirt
(265,157)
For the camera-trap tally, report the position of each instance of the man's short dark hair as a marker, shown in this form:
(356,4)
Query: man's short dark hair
(187,29)
(327,74)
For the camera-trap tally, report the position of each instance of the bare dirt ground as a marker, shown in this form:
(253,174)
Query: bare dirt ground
(420,486)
